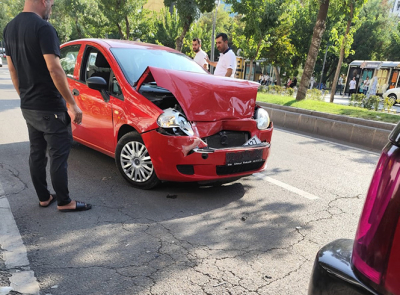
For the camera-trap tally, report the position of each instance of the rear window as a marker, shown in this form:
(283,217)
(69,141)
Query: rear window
(134,62)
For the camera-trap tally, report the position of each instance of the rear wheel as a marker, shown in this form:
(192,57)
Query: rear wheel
(393,98)
(134,162)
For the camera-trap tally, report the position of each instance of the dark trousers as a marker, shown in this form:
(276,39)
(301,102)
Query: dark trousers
(49,131)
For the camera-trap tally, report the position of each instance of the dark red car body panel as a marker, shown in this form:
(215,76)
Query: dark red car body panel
(211,104)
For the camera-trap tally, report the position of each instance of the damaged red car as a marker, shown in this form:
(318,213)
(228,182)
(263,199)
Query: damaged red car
(162,116)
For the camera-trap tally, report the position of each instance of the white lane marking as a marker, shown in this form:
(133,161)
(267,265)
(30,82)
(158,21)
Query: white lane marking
(325,140)
(23,280)
(286,186)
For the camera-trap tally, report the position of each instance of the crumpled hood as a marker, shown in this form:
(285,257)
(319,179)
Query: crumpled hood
(205,97)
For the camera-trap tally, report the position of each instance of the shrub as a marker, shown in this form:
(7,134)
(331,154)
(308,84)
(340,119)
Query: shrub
(372,102)
(314,94)
(356,100)
(388,103)
(289,91)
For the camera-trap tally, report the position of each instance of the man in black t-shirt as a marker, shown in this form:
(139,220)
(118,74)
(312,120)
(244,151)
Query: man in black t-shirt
(32,52)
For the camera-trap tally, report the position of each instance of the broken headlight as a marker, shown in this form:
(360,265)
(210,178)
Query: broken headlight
(262,119)
(172,119)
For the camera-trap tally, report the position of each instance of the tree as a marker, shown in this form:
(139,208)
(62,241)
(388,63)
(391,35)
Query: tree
(188,11)
(352,11)
(125,15)
(260,18)
(319,30)
(166,28)
(373,38)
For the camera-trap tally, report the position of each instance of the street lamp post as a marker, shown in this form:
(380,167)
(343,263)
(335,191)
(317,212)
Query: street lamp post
(212,35)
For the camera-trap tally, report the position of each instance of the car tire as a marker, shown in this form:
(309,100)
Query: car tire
(134,163)
(393,98)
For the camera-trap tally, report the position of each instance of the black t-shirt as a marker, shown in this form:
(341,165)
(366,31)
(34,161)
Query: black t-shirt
(28,37)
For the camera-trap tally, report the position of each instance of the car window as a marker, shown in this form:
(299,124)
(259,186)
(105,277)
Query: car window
(95,65)
(134,62)
(68,58)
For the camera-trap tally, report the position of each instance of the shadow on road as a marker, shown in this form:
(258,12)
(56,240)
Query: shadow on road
(133,240)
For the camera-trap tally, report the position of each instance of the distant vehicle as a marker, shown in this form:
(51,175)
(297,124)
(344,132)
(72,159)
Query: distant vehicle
(369,264)
(162,116)
(393,94)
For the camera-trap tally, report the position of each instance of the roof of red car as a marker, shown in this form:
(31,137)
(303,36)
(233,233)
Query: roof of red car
(110,43)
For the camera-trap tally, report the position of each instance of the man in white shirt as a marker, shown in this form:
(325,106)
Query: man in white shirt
(226,66)
(200,56)
(352,86)
(266,79)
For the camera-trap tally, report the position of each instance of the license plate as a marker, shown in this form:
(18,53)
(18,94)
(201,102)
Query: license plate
(253,141)
(245,157)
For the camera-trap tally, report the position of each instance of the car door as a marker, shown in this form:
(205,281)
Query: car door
(96,129)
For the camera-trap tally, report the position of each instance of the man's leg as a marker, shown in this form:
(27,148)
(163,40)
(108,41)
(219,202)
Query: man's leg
(38,162)
(59,139)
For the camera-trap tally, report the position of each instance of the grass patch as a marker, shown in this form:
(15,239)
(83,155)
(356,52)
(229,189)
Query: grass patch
(326,107)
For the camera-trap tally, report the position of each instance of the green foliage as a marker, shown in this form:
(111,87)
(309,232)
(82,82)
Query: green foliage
(314,94)
(388,103)
(188,11)
(373,37)
(356,100)
(372,103)
(167,28)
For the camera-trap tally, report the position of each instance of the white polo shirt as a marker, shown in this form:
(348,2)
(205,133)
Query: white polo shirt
(200,57)
(227,60)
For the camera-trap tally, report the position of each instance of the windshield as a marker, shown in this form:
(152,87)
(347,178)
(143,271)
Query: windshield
(134,62)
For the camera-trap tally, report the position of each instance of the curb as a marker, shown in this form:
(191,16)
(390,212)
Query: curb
(366,133)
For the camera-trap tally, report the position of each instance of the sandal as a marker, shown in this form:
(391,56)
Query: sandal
(80,206)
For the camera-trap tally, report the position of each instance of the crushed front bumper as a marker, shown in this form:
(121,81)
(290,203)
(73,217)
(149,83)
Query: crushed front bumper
(187,159)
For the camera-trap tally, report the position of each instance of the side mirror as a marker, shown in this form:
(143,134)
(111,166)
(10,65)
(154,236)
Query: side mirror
(97,83)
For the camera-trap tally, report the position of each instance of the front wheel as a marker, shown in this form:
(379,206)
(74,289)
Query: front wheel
(134,162)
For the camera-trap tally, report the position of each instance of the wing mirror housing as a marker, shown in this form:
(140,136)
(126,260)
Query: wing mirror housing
(97,83)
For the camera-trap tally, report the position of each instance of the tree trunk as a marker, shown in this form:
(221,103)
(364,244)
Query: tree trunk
(319,30)
(277,75)
(339,65)
(127,27)
(78,29)
(121,34)
(252,60)
(179,40)
(250,69)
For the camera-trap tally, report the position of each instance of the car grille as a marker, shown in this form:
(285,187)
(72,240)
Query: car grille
(227,139)
(225,170)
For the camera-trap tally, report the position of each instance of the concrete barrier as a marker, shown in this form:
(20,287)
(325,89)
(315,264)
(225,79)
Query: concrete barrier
(366,133)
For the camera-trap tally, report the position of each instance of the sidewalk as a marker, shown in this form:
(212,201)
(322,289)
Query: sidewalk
(345,100)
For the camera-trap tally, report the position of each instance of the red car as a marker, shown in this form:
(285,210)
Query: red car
(371,263)
(162,116)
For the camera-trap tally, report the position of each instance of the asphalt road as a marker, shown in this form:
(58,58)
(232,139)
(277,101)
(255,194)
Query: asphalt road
(258,235)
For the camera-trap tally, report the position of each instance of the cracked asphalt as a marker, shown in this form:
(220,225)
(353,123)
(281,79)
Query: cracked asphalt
(248,237)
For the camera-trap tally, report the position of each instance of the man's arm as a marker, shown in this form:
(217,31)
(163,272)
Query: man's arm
(13,74)
(228,72)
(60,81)
(213,63)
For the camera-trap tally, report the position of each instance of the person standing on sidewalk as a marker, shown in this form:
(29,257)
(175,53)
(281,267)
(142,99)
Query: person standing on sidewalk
(33,56)
(352,86)
(226,66)
(340,84)
(366,85)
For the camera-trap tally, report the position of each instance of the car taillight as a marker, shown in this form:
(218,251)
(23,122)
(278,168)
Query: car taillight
(377,230)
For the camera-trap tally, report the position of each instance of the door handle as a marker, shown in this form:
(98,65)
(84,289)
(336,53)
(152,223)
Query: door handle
(75,92)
